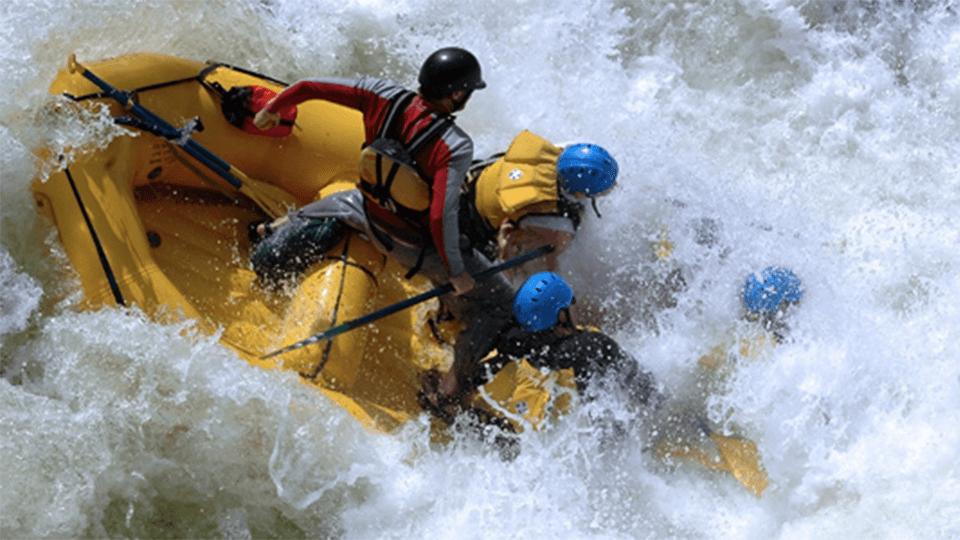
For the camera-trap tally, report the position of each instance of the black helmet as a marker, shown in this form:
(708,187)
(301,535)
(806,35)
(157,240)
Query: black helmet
(448,70)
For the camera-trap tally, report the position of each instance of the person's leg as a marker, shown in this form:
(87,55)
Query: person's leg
(484,313)
(302,237)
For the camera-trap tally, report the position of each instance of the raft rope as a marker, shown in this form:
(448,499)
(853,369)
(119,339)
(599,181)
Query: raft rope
(343,259)
(107,269)
(200,78)
(333,316)
(206,71)
(103,95)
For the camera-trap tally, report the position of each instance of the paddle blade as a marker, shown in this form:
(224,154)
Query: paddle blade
(679,450)
(744,461)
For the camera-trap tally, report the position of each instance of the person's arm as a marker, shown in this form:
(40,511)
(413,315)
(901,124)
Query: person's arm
(534,232)
(445,205)
(363,94)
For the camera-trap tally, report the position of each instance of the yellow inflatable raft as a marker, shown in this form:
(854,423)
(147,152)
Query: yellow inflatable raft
(158,219)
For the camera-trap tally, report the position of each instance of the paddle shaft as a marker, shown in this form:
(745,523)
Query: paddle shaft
(192,147)
(409,302)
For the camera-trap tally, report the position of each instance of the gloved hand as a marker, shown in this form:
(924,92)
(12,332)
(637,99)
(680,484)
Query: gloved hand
(265,119)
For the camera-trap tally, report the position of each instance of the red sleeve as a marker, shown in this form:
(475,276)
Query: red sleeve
(259,98)
(329,90)
(367,95)
(452,155)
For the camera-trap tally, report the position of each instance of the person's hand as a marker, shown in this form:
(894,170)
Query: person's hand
(265,119)
(439,395)
(447,384)
(462,284)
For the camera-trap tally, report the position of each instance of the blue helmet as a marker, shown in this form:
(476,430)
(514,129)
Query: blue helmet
(539,301)
(776,285)
(587,169)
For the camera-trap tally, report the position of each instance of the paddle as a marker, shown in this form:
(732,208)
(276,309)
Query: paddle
(742,457)
(181,137)
(739,457)
(412,301)
(744,461)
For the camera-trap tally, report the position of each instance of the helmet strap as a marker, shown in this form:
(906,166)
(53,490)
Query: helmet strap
(459,104)
(566,321)
(593,203)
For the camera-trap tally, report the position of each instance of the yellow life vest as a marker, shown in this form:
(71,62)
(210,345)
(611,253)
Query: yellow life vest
(523,181)
(751,344)
(389,174)
(525,396)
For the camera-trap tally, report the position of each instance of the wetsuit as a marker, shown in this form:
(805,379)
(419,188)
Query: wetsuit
(598,362)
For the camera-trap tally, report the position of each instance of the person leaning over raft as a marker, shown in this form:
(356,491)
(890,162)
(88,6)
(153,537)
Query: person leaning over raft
(543,333)
(531,195)
(413,165)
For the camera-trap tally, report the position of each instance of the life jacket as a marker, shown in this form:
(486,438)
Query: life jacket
(527,397)
(523,181)
(397,191)
(514,383)
(752,343)
(240,104)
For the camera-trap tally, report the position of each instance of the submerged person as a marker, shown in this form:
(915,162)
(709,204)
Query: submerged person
(767,298)
(532,195)
(544,335)
(411,171)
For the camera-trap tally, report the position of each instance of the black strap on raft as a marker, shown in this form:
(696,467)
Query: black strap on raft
(416,267)
(325,357)
(107,269)
(206,71)
(100,95)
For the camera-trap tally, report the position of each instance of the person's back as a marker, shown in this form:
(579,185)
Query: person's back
(543,335)
(531,195)
(447,79)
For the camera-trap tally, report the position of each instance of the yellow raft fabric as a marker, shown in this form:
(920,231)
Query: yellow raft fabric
(174,235)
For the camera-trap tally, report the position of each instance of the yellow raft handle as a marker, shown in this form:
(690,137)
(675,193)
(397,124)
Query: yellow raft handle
(72,65)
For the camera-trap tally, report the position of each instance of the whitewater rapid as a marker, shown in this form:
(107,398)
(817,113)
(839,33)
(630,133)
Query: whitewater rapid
(822,136)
